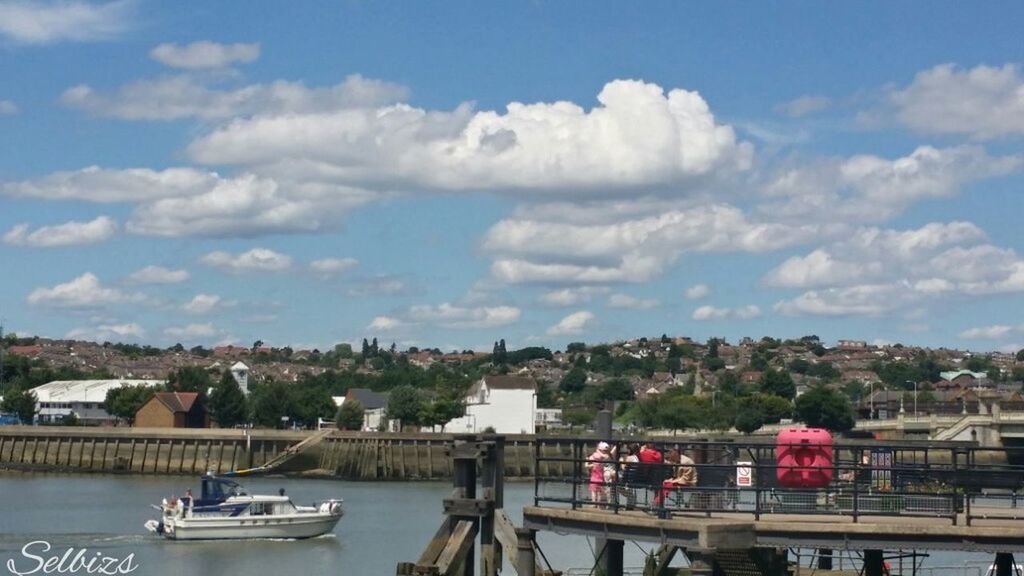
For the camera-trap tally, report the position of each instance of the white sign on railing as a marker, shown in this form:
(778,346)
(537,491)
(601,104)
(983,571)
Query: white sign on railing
(744,479)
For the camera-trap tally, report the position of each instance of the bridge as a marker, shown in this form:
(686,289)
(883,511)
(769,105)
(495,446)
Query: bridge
(989,429)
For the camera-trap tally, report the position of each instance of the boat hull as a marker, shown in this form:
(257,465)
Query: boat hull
(290,527)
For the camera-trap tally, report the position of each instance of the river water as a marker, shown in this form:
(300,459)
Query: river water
(385,523)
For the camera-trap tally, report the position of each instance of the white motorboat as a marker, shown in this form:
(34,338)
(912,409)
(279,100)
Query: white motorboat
(226,511)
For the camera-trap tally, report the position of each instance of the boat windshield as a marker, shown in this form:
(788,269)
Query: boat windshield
(220,489)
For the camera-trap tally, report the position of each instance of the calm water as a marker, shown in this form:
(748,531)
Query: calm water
(384,523)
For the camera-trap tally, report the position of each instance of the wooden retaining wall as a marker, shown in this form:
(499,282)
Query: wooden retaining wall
(138,450)
(344,455)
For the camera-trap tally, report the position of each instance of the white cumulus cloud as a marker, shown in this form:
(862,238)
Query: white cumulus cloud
(82,292)
(550,250)
(571,296)
(868,188)
(204,54)
(637,136)
(987,332)
(707,312)
(255,260)
(804,105)
(187,96)
(8,108)
(983,102)
(68,234)
(206,303)
(453,316)
(107,332)
(332,266)
(385,324)
(631,302)
(158,275)
(51,21)
(698,291)
(573,324)
(191,331)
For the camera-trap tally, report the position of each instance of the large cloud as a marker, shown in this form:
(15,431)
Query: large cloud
(186,96)
(983,102)
(573,325)
(453,316)
(560,250)
(204,54)
(638,136)
(874,270)
(83,292)
(68,234)
(95,184)
(871,254)
(48,21)
(866,188)
(255,260)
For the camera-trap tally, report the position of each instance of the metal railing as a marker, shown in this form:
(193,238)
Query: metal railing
(932,480)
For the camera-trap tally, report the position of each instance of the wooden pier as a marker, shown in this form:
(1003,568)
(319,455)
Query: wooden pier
(884,501)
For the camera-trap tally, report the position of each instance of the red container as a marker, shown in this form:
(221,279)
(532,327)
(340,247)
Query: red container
(804,458)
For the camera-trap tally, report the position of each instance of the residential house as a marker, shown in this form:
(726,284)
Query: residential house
(173,410)
(375,407)
(506,404)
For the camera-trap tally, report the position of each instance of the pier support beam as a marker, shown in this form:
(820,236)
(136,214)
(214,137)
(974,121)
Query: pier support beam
(526,560)
(825,559)
(607,549)
(1004,564)
(874,563)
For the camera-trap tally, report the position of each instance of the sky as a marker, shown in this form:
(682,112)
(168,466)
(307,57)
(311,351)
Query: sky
(447,174)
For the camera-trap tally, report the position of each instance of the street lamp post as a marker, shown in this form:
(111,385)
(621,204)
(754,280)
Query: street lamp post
(915,396)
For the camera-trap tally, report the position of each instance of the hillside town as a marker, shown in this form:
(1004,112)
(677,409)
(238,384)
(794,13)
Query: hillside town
(664,382)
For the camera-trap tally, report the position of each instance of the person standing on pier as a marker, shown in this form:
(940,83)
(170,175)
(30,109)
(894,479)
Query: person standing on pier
(596,464)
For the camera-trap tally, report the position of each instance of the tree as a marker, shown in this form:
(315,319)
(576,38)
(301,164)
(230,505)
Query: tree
(404,405)
(308,403)
(779,383)
(124,401)
(350,415)
(21,403)
(269,404)
(573,381)
(582,417)
(822,407)
(616,389)
(440,412)
(227,403)
(1020,355)
(581,347)
(343,350)
(770,409)
(748,421)
(257,345)
(190,379)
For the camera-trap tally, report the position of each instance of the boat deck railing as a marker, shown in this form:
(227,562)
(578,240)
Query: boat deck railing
(948,481)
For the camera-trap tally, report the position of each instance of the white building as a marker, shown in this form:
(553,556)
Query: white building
(240,372)
(508,404)
(84,398)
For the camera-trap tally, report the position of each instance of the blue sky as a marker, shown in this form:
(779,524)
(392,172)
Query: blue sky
(451,173)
